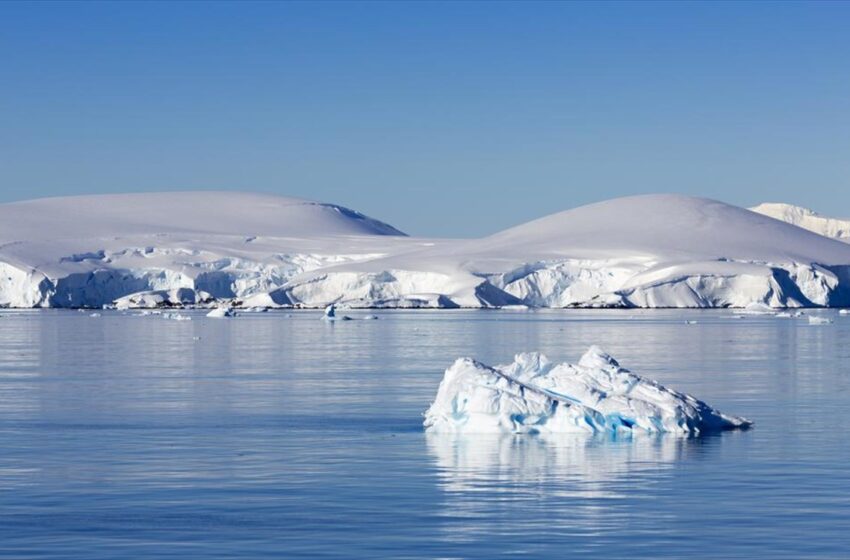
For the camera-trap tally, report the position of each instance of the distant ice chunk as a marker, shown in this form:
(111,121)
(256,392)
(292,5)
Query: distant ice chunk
(819,320)
(533,395)
(176,317)
(330,314)
(221,312)
(844,312)
(789,314)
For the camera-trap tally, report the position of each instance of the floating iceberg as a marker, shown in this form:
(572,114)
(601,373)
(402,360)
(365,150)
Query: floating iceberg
(819,320)
(176,317)
(330,314)
(221,312)
(533,395)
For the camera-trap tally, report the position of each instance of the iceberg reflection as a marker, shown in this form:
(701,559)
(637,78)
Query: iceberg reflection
(579,483)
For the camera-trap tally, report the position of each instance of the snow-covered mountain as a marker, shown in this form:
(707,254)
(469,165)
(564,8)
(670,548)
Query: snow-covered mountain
(807,219)
(91,250)
(644,251)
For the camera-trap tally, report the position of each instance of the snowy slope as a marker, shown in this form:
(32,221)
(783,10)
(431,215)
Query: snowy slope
(91,250)
(247,249)
(644,251)
(198,213)
(807,219)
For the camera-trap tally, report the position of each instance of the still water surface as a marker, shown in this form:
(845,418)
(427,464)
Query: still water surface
(277,435)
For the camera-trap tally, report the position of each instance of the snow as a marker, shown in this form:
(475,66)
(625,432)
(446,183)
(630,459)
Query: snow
(807,219)
(646,251)
(246,250)
(534,395)
(757,308)
(176,297)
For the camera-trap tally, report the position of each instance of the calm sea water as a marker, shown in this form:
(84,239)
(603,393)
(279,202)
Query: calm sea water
(277,435)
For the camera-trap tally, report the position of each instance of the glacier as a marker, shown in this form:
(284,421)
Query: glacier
(244,250)
(534,395)
(805,218)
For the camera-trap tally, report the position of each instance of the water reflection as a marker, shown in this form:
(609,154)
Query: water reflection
(576,465)
(569,483)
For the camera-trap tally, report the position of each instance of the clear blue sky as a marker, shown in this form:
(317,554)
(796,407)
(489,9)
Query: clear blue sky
(440,118)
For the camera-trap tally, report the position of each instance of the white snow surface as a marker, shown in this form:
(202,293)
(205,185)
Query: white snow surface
(807,219)
(251,250)
(534,395)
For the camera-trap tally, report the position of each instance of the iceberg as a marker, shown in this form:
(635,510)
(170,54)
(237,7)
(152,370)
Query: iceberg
(221,312)
(330,314)
(176,317)
(534,395)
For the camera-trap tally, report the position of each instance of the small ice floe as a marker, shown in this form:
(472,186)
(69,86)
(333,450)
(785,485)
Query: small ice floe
(95,315)
(533,395)
(691,322)
(330,314)
(819,320)
(176,317)
(370,318)
(221,312)
(148,313)
(789,314)
(844,311)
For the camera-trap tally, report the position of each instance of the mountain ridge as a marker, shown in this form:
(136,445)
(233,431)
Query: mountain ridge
(660,250)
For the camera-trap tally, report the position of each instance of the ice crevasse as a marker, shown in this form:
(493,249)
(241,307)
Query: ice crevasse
(534,395)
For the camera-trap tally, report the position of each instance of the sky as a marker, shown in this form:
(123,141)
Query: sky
(441,118)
